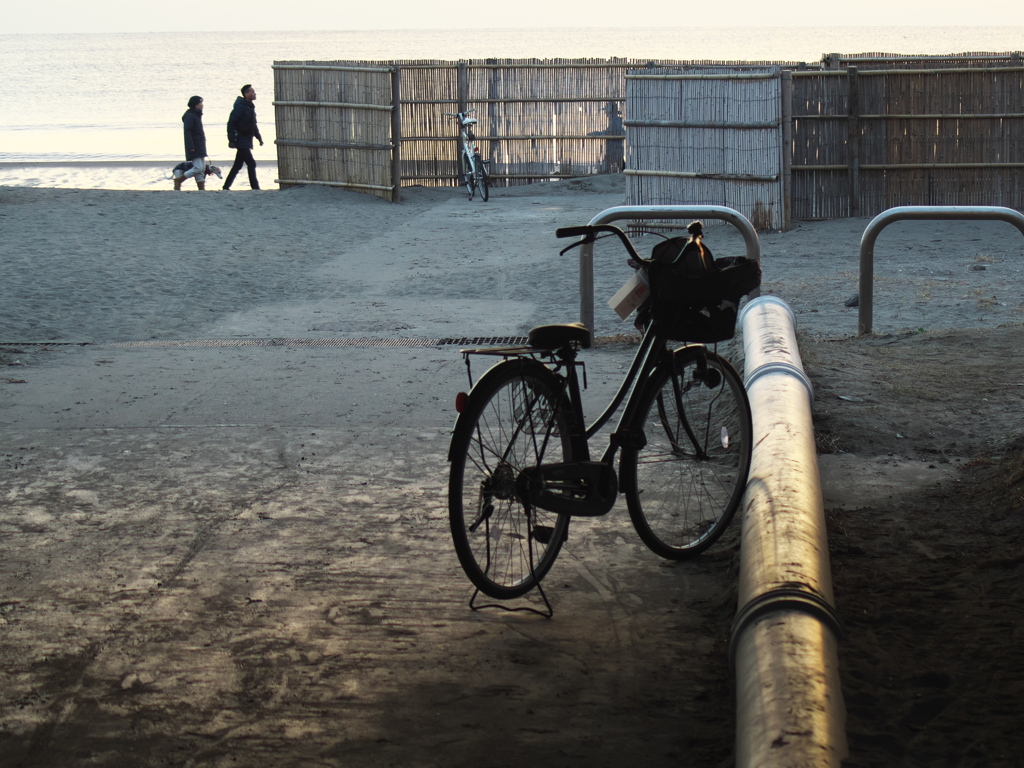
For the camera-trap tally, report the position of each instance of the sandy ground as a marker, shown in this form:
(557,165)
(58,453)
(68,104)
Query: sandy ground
(224,535)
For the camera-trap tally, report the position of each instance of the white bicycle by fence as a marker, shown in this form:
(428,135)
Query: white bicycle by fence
(473,171)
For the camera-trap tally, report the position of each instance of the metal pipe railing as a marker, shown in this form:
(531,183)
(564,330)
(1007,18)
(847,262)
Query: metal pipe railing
(789,704)
(917,212)
(753,245)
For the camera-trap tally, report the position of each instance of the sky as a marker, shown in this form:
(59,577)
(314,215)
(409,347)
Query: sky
(52,16)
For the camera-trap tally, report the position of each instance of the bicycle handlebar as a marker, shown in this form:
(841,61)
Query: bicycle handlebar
(589,235)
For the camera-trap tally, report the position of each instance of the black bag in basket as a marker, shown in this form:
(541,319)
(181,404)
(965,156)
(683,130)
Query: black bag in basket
(695,297)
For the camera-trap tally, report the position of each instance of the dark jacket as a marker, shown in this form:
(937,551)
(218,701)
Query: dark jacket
(195,136)
(242,124)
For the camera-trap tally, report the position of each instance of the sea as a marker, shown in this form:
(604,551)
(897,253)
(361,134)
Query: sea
(103,111)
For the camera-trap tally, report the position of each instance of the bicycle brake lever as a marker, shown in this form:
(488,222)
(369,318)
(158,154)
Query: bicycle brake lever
(588,235)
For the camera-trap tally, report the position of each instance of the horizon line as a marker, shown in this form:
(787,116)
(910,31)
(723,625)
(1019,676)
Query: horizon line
(759,27)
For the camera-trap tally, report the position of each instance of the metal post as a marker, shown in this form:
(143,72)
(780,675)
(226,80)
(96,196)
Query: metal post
(917,212)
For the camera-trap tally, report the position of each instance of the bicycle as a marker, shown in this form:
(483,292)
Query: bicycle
(520,457)
(473,169)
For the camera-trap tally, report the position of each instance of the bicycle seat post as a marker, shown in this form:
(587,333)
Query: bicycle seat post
(577,423)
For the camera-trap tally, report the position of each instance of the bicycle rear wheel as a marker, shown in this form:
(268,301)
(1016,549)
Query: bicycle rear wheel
(684,485)
(512,421)
(484,181)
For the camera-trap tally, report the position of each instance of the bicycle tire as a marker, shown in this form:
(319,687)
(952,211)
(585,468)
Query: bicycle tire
(469,174)
(485,182)
(684,486)
(512,420)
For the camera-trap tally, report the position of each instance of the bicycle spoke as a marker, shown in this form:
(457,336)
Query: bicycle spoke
(505,544)
(684,485)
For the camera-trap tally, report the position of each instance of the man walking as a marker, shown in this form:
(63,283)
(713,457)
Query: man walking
(195,144)
(241,131)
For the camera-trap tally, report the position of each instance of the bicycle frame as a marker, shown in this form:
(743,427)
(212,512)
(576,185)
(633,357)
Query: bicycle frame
(595,483)
(472,167)
(466,135)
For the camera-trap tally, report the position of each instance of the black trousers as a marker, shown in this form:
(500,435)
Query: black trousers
(243,155)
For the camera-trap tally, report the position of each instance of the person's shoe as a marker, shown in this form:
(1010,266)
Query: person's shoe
(177,182)
(201,185)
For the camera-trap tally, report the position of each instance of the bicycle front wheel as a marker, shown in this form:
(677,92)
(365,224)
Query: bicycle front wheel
(684,485)
(469,174)
(484,181)
(512,421)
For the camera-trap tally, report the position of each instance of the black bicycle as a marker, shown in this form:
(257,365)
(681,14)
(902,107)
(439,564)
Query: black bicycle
(520,458)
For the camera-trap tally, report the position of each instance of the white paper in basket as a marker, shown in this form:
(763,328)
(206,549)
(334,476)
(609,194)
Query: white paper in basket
(631,295)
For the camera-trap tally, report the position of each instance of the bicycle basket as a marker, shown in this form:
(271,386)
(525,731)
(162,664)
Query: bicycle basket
(699,302)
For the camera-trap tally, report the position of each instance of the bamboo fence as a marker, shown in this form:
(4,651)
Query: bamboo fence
(335,126)
(858,133)
(537,120)
(708,136)
(870,140)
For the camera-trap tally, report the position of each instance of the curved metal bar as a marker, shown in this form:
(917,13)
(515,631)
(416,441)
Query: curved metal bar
(619,212)
(902,213)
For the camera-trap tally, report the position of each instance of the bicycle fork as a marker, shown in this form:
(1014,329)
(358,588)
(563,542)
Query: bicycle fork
(703,375)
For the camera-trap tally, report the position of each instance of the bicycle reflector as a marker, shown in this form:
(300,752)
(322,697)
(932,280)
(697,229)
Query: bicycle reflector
(460,402)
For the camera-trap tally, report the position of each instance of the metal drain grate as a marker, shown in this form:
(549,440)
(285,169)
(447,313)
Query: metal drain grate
(462,341)
(449,341)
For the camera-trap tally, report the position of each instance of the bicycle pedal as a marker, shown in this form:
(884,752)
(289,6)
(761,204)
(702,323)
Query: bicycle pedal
(712,379)
(543,534)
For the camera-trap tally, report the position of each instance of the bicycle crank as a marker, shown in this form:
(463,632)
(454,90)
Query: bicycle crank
(580,488)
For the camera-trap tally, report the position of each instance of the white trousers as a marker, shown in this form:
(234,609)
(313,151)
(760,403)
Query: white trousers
(198,170)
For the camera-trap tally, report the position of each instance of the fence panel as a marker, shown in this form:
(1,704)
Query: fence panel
(820,187)
(545,120)
(334,126)
(868,140)
(708,136)
(429,139)
(864,133)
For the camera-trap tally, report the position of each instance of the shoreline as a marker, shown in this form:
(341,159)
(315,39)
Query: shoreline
(73,163)
(116,175)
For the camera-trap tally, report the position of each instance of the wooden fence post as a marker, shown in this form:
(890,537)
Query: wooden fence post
(853,140)
(787,148)
(396,134)
(462,87)
(462,96)
(493,93)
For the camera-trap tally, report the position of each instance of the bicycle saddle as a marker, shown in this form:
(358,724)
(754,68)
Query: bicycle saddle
(552,337)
